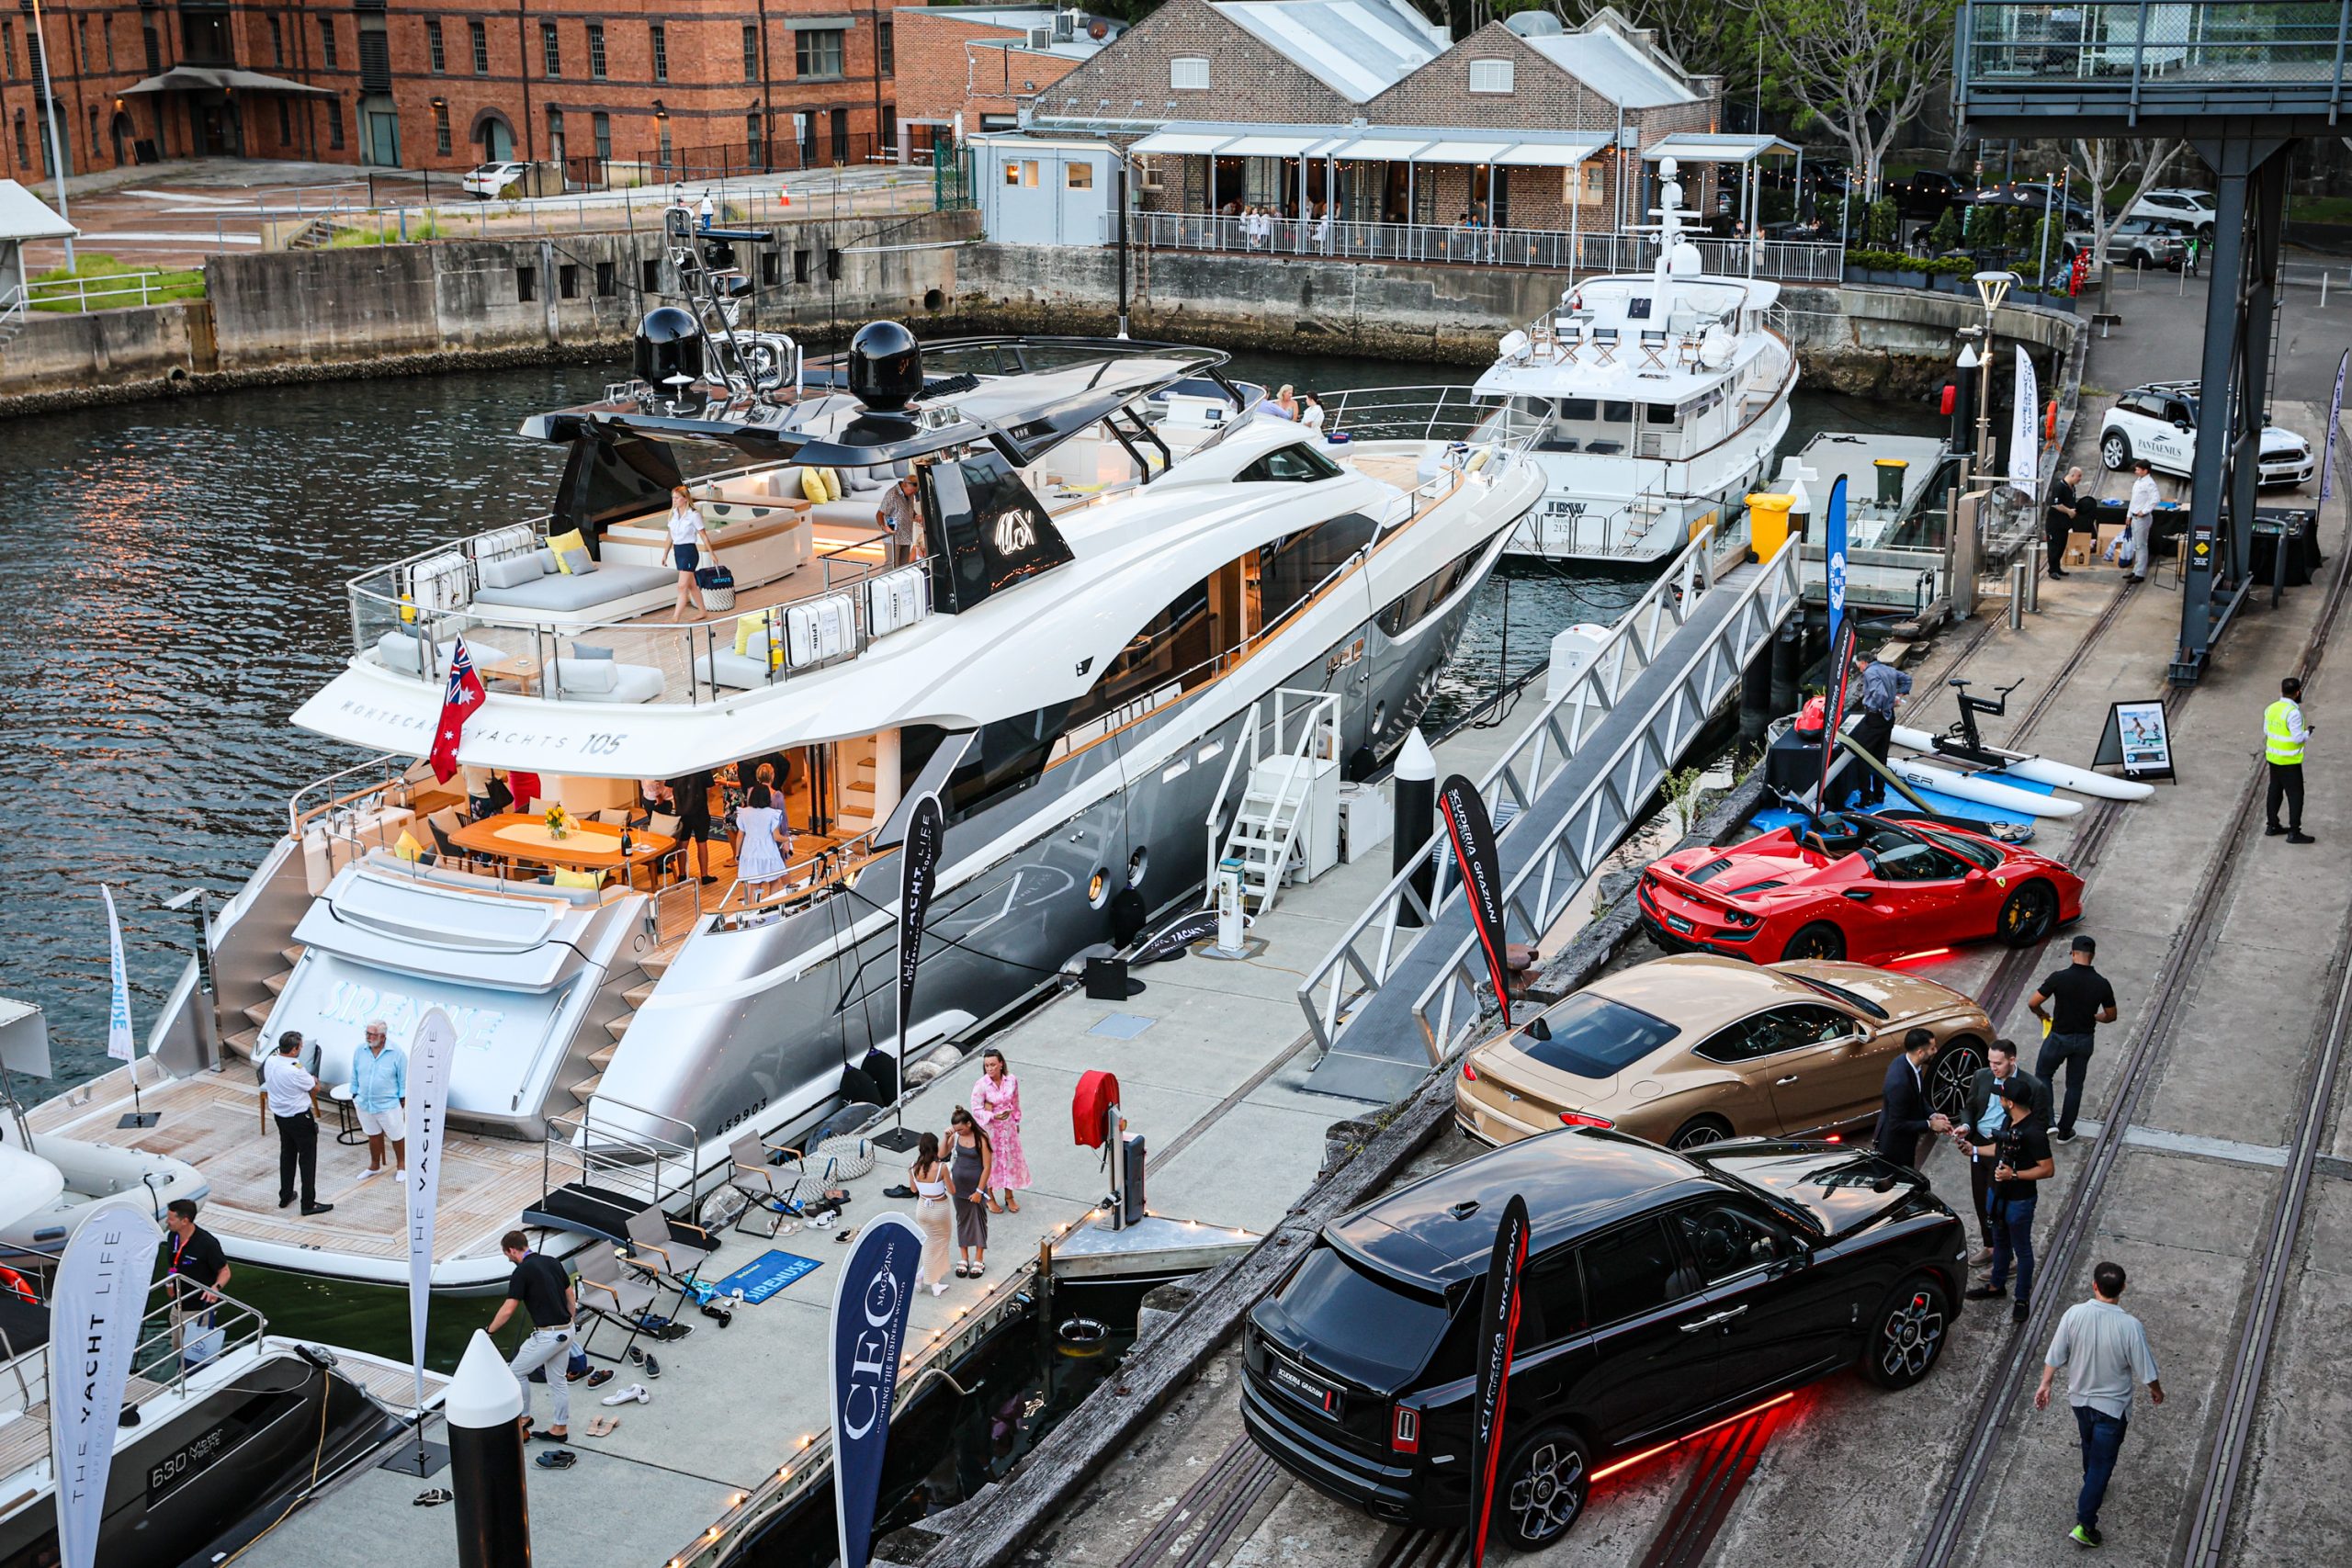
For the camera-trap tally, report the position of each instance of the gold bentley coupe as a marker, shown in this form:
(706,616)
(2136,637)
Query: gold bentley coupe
(1690,1050)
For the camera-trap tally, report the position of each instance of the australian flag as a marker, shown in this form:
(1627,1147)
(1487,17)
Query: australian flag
(457,705)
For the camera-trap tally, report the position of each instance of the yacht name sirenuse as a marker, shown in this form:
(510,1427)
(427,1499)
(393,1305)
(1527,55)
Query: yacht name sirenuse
(1120,561)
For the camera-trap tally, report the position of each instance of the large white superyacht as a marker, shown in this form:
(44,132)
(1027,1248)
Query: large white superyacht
(1662,396)
(1107,597)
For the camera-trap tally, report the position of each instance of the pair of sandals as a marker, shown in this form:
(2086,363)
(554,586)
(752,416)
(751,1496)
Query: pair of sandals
(970,1271)
(601,1426)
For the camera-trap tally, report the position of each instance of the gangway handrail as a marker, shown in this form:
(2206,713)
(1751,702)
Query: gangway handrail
(1551,741)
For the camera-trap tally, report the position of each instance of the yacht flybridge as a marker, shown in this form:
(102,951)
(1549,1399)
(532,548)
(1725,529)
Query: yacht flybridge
(1661,398)
(1115,565)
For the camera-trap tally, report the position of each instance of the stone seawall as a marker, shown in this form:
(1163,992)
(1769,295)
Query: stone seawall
(284,316)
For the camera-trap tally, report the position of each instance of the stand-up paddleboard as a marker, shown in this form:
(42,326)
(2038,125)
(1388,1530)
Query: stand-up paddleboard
(2039,770)
(1978,788)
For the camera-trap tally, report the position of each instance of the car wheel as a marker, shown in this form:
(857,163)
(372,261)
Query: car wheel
(1699,1131)
(2115,449)
(2027,914)
(1819,940)
(1543,1487)
(1908,1336)
(1956,1068)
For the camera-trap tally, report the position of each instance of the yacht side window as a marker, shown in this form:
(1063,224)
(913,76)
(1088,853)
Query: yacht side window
(1290,465)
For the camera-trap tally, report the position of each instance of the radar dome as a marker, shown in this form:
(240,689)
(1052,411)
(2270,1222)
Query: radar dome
(1534,24)
(885,367)
(668,349)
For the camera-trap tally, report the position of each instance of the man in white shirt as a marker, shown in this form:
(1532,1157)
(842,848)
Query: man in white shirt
(289,1088)
(2140,517)
(2105,1350)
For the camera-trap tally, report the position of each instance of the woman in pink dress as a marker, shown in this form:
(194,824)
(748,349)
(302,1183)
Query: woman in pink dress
(996,1105)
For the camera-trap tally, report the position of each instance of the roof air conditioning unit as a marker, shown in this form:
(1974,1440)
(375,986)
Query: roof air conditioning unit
(1041,38)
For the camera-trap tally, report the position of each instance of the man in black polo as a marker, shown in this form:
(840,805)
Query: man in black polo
(197,1267)
(1986,1117)
(541,1288)
(2058,522)
(2072,1002)
(2021,1162)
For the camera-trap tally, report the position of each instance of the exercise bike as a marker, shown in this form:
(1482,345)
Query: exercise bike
(1963,740)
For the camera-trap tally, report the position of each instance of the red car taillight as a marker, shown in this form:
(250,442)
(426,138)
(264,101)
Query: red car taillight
(1404,1430)
(1579,1119)
(1469,1073)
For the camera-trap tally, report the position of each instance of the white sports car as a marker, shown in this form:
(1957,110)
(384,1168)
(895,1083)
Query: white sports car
(2158,421)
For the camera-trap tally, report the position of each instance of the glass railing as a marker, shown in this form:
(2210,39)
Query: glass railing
(2252,44)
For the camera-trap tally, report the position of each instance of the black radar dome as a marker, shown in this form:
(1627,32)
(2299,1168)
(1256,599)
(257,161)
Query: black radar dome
(885,365)
(669,345)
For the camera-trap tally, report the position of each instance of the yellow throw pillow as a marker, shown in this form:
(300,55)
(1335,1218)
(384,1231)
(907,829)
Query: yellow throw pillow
(559,543)
(832,483)
(569,878)
(408,848)
(813,486)
(746,629)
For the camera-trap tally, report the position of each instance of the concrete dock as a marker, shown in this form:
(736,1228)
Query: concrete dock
(1208,1058)
(2228,952)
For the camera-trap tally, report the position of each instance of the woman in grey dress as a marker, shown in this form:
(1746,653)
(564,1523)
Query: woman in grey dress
(969,1160)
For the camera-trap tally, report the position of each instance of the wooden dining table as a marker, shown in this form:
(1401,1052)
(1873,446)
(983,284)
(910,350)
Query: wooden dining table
(587,846)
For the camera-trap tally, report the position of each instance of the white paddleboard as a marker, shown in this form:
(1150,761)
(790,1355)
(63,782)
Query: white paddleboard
(1983,791)
(2039,770)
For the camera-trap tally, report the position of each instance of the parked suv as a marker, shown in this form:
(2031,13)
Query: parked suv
(2137,241)
(2158,421)
(1663,1292)
(2191,211)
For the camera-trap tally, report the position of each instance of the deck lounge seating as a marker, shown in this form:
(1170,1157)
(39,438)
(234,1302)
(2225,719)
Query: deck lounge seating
(745,671)
(591,675)
(526,581)
(448,874)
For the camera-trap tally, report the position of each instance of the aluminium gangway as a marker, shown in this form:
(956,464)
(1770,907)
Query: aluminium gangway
(1388,1003)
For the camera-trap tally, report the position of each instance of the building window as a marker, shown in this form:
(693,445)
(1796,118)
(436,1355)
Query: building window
(335,123)
(818,51)
(276,43)
(326,42)
(604,126)
(93,143)
(663,123)
(1189,74)
(480,36)
(555,136)
(1491,76)
(148,36)
(9,50)
(608,281)
(24,151)
(549,54)
(433,49)
(1012,173)
(751,136)
(1078,177)
(285,123)
(81,46)
(660,35)
(527,284)
(567,280)
(751,53)
(889,127)
(441,127)
(841,136)
(885,47)
(595,51)
(108,35)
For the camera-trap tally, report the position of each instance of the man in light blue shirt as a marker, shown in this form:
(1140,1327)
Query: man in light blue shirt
(2105,1350)
(379,1093)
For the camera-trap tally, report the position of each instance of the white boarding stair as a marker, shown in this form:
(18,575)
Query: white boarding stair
(1264,835)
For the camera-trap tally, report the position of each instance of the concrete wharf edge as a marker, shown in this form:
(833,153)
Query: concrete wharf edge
(989,1529)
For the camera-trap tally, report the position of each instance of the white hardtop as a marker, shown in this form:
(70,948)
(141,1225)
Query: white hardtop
(1679,306)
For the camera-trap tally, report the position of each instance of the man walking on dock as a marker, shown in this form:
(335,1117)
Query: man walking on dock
(2284,734)
(2072,1004)
(2105,1350)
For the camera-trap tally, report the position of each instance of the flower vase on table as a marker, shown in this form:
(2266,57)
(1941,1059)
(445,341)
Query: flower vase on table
(559,822)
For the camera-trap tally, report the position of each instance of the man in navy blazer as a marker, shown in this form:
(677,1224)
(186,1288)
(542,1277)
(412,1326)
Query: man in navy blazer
(1905,1117)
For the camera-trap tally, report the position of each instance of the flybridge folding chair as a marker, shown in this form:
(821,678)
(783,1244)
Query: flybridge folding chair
(609,1295)
(654,1255)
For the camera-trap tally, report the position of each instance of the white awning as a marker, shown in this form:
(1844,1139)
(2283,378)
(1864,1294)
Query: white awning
(1380,149)
(1461,152)
(1280,144)
(1183,141)
(1548,154)
(24,216)
(1707,147)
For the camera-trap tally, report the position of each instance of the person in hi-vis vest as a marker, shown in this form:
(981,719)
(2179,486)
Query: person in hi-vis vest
(2284,734)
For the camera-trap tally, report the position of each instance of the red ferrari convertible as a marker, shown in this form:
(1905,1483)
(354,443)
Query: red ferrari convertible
(1863,887)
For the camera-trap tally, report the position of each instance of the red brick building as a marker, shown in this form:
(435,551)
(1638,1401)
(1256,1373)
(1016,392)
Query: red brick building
(446,83)
(980,66)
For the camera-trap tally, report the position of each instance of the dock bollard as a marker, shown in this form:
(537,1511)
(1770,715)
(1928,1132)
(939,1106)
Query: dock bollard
(1416,818)
(2018,573)
(482,1407)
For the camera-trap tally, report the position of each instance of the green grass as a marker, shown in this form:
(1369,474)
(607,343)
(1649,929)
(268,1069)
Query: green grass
(2320,208)
(185,283)
(384,231)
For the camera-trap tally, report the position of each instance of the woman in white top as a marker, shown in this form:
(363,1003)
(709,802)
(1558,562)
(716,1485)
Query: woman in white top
(931,1217)
(767,842)
(687,541)
(1310,412)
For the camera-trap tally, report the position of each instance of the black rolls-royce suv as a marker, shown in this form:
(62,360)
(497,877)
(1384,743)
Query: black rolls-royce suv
(1663,1292)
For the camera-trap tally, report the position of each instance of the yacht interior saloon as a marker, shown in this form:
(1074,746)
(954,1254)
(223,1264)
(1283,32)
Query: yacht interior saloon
(1658,401)
(1126,588)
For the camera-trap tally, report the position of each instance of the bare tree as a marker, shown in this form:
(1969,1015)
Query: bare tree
(2109,162)
(1707,38)
(1863,68)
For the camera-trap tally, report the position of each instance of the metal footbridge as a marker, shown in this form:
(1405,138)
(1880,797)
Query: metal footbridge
(1392,1000)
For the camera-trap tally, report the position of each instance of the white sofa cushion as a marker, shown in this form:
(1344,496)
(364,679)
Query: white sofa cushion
(510,571)
(586,676)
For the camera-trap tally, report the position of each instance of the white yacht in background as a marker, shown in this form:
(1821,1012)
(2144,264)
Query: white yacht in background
(1663,397)
(1092,630)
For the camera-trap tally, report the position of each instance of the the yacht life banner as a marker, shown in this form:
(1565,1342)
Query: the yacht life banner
(920,855)
(871,1298)
(2334,418)
(1472,836)
(2025,445)
(94,1310)
(118,1041)
(1835,538)
(1172,939)
(1498,1338)
(429,1052)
